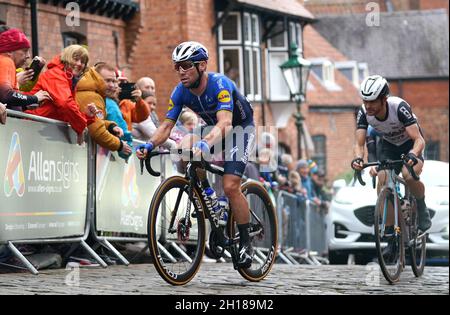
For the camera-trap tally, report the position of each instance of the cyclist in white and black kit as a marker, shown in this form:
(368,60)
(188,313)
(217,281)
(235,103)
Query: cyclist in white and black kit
(393,120)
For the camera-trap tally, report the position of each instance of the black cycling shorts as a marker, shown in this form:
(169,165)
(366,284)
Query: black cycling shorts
(237,148)
(392,152)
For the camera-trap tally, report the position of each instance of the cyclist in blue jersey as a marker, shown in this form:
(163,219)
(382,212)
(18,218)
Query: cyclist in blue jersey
(217,100)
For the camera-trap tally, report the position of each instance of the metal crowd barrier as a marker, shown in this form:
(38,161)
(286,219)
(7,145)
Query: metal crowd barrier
(301,230)
(45,185)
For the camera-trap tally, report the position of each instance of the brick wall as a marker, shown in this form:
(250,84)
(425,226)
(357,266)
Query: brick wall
(433,4)
(429,100)
(99,31)
(169,23)
(339,130)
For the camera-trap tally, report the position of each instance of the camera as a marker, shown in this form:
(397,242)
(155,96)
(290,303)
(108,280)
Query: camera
(125,90)
(36,65)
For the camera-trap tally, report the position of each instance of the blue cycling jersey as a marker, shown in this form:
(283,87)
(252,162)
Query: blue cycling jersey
(221,94)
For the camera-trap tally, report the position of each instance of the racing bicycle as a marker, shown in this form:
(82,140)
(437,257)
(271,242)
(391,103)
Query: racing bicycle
(405,234)
(177,225)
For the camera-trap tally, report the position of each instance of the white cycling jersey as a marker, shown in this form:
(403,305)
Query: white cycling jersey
(393,127)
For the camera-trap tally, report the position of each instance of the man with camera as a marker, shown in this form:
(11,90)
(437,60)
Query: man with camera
(133,107)
(14,52)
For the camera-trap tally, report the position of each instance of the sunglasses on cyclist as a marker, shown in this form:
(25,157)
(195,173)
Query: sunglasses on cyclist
(185,65)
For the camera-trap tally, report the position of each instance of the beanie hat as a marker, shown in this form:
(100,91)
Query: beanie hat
(302,164)
(12,40)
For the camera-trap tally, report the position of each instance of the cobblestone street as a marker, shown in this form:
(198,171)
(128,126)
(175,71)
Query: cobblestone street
(222,279)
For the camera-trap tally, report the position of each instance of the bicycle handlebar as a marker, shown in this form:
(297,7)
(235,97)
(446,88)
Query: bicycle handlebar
(385,165)
(207,165)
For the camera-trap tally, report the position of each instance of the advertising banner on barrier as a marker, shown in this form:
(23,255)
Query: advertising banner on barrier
(44,181)
(123,194)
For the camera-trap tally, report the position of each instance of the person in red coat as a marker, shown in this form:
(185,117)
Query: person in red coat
(60,80)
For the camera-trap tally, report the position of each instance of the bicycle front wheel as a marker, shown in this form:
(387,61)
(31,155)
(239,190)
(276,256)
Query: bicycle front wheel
(263,231)
(417,246)
(176,240)
(389,243)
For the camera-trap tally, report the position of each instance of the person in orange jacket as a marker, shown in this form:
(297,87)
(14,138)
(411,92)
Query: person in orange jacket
(60,81)
(91,89)
(14,53)
(136,110)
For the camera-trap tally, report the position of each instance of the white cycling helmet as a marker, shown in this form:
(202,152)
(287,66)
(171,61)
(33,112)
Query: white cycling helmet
(373,87)
(192,51)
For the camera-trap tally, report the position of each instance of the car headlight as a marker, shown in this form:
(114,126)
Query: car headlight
(342,199)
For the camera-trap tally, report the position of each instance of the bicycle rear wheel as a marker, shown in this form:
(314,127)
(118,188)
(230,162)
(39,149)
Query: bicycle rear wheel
(177,244)
(390,261)
(263,227)
(417,248)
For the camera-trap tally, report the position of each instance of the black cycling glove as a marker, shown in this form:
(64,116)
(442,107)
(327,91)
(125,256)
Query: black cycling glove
(357,161)
(411,157)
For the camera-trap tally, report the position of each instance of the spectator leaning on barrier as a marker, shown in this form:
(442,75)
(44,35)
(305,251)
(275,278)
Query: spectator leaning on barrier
(14,53)
(2,113)
(113,112)
(91,89)
(60,81)
(24,76)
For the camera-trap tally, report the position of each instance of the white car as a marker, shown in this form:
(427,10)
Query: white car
(350,220)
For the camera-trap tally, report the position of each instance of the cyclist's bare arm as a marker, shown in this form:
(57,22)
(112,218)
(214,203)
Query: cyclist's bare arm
(360,143)
(419,142)
(162,133)
(221,129)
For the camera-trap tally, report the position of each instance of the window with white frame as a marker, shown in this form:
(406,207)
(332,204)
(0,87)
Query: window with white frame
(230,30)
(278,88)
(241,63)
(295,31)
(278,53)
(320,151)
(280,40)
(231,63)
(350,70)
(363,69)
(324,69)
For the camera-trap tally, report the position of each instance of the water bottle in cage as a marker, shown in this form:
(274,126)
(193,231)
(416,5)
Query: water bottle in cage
(224,208)
(212,202)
